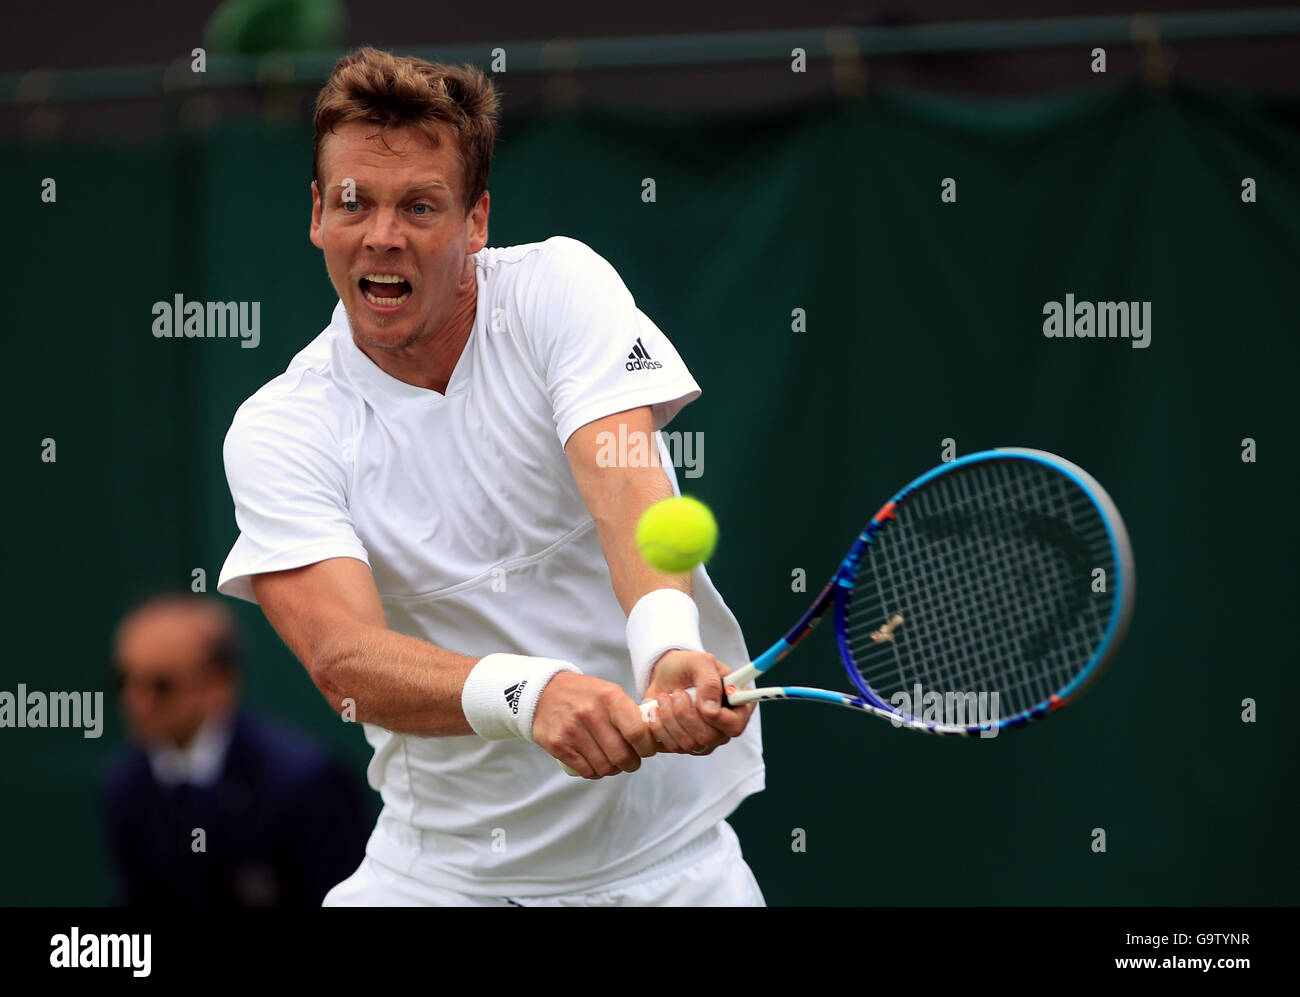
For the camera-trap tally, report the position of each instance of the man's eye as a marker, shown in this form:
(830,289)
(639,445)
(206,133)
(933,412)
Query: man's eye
(421,208)
(352,207)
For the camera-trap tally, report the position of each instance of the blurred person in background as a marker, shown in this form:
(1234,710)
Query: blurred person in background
(212,807)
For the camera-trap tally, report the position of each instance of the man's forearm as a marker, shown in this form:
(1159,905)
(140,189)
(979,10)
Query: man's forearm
(619,508)
(616,496)
(393,681)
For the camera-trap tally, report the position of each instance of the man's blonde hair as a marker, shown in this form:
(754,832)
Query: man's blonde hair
(391,91)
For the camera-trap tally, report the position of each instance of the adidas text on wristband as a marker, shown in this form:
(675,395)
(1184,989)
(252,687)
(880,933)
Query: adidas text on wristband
(501,693)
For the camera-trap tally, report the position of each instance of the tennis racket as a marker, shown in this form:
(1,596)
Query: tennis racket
(992,590)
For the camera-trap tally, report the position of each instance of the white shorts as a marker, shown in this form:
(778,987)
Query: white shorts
(707,872)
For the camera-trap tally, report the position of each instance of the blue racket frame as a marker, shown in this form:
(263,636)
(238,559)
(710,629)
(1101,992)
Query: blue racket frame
(838,593)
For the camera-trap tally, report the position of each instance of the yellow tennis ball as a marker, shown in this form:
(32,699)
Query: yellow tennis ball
(677,534)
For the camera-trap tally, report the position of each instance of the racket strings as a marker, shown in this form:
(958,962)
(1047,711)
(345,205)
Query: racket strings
(992,636)
(982,633)
(988,638)
(990,568)
(948,620)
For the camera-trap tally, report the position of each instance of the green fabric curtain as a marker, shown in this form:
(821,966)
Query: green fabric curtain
(922,321)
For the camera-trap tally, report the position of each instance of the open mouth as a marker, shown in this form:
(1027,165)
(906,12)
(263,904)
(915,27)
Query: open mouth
(385,290)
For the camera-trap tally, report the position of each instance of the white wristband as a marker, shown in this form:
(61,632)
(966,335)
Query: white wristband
(662,620)
(501,693)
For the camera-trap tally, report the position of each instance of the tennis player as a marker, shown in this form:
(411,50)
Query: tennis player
(434,520)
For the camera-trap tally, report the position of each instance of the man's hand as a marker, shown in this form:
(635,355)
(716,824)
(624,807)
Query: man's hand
(592,726)
(699,727)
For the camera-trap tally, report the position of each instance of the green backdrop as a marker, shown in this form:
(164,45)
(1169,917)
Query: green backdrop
(924,322)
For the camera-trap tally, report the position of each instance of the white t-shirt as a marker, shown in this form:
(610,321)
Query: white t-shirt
(465,508)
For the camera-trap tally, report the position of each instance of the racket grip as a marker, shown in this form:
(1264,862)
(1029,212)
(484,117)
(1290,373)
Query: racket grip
(649,708)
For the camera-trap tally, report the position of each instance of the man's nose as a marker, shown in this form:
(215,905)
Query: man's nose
(385,231)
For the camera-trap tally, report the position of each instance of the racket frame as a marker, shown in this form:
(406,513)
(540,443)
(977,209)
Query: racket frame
(838,594)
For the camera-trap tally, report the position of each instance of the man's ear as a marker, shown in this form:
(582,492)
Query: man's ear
(314,233)
(477,224)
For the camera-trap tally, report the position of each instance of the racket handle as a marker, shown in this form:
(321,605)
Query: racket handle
(742,676)
(650,708)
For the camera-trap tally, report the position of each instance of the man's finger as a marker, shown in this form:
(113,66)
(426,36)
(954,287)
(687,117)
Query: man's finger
(663,739)
(699,727)
(616,747)
(631,724)
(733,720)
(593,754)
(672,707)
(708,687)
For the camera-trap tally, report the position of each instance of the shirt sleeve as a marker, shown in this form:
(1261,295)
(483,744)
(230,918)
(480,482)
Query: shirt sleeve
(599,353)
(289,482)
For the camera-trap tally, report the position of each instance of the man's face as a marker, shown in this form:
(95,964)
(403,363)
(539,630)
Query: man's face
(401,219)
(168,686)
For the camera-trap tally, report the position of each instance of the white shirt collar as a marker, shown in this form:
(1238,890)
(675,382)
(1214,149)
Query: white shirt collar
(200,762)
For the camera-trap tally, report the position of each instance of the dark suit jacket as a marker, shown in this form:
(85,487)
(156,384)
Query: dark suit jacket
(281,825)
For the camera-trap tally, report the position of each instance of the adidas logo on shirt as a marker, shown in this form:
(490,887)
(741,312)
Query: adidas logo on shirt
(513,695)
(639,358)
